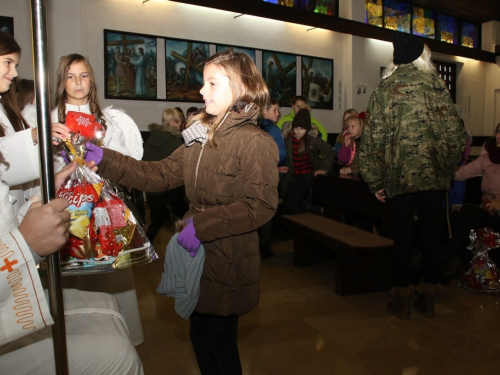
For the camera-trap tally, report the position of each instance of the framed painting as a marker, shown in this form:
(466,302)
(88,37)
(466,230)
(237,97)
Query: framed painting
(317,80)
(184,61)
(279,70)
(249,51)
(7,25)
(130,66)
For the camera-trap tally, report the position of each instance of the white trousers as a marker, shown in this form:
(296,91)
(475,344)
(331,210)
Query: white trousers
(97,342)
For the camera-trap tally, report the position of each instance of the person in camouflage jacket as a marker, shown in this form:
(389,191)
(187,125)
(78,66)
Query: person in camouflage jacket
(412,140)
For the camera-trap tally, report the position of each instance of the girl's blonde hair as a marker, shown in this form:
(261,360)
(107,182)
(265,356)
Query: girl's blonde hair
(245,81)
(172,114)
(62,96)
(350,111)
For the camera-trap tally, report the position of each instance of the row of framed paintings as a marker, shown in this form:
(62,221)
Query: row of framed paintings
(131,70)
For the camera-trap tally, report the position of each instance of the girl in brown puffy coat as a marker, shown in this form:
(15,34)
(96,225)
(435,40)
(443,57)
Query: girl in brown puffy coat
(229,168)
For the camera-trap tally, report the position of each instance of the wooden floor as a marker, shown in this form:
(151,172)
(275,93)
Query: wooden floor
(302,327)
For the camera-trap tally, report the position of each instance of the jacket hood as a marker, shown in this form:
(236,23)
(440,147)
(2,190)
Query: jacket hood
(239,114)
(162,135)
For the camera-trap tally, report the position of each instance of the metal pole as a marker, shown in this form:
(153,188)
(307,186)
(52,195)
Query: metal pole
(39,28)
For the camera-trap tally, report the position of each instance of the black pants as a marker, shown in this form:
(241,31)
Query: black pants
(215,343)
(470,217)
(298,189)
(431,230)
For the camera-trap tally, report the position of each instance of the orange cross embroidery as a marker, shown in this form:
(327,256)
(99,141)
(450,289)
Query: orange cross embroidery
(8,265)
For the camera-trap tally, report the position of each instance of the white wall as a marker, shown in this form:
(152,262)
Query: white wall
(77,26)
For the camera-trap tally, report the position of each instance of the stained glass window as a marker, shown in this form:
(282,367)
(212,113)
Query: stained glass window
(374,12)
(447,29)
(397,15)
(468,35)
(316,6)
(423,23)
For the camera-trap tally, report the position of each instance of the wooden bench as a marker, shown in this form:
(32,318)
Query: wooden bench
(363,259)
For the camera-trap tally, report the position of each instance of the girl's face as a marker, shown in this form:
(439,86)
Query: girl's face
(216,90)
(354,128)
(8,71)
(78,83)
(273,113)
(299,132)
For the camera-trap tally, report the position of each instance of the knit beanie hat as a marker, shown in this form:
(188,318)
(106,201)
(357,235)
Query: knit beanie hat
(302,119)
(407,48)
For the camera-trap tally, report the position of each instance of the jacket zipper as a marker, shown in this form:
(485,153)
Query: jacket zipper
(198,165)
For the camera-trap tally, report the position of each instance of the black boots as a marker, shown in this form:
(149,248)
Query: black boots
(403,297)
(425,301)
(401,305)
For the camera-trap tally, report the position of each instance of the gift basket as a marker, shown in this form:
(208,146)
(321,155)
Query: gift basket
(104,234)
(482,274)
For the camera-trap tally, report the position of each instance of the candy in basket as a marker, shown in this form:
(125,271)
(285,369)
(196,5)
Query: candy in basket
(104,234)
(482,274)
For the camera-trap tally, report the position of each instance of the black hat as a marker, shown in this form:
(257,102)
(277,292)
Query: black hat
(302,119)
(407,48)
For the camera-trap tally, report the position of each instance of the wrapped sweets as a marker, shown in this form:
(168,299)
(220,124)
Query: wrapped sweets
(482,275)
(82,190)
(84,128)
(103,232)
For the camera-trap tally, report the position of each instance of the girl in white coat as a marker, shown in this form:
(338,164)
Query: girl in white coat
(17,139)
(77,91)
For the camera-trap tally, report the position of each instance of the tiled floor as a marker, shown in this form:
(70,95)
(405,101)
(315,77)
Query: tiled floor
(302,327)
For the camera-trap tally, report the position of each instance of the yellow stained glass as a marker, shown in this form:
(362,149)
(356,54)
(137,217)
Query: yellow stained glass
(446,37)
(374,12)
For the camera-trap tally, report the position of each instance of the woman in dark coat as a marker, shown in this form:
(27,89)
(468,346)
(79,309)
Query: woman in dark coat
(162,142)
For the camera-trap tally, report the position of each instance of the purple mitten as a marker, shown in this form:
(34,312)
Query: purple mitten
(187,238)
(65,157)
(94,153)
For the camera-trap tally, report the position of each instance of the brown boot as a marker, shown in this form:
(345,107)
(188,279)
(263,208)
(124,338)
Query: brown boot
(425,301)
(401,305)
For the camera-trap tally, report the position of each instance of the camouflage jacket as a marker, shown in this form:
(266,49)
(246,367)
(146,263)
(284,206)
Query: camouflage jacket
(412,139)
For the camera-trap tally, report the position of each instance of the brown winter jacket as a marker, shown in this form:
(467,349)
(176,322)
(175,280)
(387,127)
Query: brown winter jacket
(234,188)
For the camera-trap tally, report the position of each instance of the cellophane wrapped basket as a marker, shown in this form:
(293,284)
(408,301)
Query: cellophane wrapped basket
(104,234)
(482,274)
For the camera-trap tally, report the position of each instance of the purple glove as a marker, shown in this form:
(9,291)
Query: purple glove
(187,238)
(65,157)
(94,153)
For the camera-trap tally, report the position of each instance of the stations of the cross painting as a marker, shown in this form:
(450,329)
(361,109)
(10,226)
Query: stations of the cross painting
(282,72)
(124,43)
(189,61)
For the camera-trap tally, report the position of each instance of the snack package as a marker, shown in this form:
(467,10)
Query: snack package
(82,190)
(84,128)
(482,274)
(104,234)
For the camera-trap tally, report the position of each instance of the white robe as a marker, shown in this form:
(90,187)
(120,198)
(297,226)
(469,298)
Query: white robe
(21,168)
(122,134)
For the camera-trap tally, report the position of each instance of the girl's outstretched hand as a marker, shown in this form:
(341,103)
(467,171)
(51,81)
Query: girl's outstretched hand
(94,153)
(187,238)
